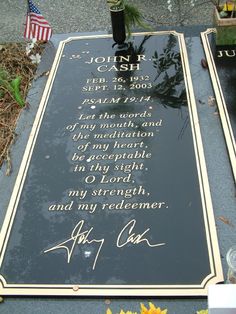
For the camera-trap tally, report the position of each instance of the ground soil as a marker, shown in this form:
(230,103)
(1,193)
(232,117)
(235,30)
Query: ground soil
(15,62)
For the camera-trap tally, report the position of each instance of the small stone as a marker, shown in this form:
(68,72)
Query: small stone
(75,288)
(204,64)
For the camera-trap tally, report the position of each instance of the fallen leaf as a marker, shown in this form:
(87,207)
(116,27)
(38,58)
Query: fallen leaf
(211,101)
(226,221)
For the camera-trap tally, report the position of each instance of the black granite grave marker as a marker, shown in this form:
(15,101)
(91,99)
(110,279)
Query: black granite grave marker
(222,62)
(112,197)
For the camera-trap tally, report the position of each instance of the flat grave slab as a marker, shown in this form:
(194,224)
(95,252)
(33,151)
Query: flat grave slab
(112,196)
(221,62)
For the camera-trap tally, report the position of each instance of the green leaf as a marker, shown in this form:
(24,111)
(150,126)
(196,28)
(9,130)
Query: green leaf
(13,87)
(15,84)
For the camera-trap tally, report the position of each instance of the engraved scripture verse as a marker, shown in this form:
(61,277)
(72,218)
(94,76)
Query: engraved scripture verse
(111,152)
(109,155)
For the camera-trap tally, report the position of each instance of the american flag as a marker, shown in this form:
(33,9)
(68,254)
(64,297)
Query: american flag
(36,25)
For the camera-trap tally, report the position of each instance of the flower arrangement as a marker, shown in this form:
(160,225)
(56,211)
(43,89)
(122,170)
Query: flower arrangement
(225,22)
(151,310)
(227,9)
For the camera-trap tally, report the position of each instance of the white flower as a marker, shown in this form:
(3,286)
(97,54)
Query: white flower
(27,49)
(35,58)
(30,46)
(33,42)
(169,7)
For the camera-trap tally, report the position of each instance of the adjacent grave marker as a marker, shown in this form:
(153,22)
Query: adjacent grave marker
(112,197)
(221,61)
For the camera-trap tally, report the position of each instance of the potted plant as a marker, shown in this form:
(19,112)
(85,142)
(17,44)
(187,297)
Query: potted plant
(123,17)
(225,22)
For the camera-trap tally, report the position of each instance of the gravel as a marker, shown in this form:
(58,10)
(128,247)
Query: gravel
(89,16)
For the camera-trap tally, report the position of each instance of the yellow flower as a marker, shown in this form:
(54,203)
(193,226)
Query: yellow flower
(202,312)
(152,309)
(121,312)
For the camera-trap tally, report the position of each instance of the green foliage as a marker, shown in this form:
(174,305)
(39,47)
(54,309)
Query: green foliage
(11,86)
(15,84)
(134,18)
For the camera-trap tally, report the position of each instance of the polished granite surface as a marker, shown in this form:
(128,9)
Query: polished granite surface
(220,178)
